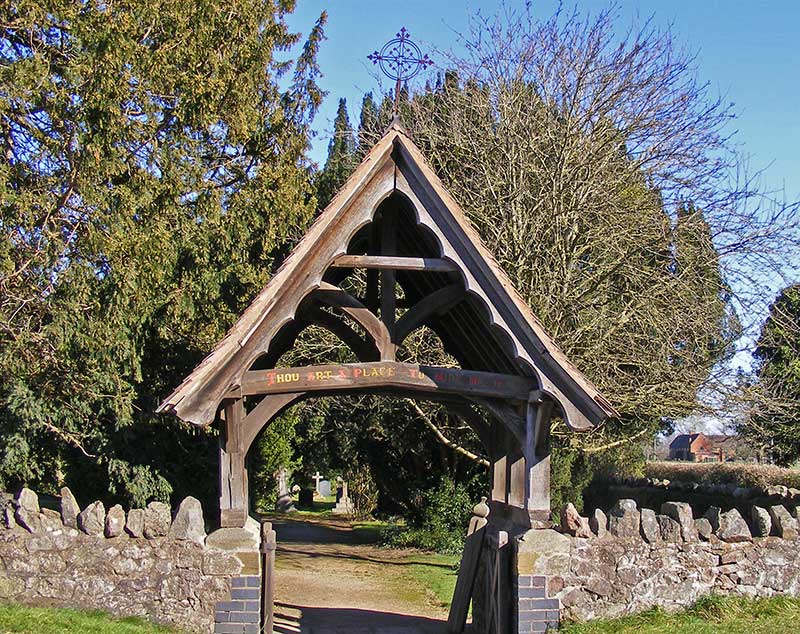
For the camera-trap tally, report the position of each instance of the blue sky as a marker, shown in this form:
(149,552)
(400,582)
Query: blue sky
(748,50)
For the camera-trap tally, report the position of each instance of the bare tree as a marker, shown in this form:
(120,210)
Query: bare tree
(602,174)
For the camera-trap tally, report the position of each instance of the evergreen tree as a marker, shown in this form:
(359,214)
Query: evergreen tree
(142,205)
(369,130)
(341,160)
(773,427)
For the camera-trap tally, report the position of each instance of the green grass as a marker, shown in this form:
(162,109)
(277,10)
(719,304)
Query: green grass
(437,574)
(711,615)
(319,508)
(22,620)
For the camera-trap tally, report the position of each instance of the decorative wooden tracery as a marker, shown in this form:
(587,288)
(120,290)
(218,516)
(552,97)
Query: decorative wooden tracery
(394,221)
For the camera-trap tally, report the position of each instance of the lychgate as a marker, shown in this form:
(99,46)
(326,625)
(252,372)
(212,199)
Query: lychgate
(395,226)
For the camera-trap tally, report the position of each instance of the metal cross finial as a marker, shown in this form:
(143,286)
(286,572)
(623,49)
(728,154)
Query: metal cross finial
(400,59)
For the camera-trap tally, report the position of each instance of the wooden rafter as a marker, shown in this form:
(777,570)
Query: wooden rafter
(335,296)
(437,302)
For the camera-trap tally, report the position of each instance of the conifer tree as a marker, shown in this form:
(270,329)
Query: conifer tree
(151,169)
(369,130)
(342,158)
(772,426)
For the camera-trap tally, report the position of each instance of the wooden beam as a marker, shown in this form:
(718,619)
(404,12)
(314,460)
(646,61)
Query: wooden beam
(364,350)
(385,374)
(335,296)
(437,302)
(394,263)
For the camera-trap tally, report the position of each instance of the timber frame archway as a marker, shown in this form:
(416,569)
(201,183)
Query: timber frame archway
(395,227)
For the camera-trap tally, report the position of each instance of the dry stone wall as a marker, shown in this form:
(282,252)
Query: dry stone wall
(629,560)
(143,563)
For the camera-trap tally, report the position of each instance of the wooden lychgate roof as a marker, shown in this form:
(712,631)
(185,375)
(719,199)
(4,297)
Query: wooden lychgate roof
(438,258)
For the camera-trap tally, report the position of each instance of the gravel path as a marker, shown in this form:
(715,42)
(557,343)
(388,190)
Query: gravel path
(327,582)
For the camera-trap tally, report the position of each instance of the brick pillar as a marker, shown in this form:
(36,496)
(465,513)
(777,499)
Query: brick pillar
(535,611)
(242,614)
(539,554)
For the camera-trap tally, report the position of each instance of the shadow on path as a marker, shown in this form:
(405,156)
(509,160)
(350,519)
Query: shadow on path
(312,552)
(313,620)
(323,531)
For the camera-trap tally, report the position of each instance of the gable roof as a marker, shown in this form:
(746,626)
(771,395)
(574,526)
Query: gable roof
(684,441)
(394,164)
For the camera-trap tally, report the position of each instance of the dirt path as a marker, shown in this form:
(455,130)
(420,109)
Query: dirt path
(330,582)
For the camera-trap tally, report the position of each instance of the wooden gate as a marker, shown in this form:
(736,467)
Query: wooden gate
(268,545)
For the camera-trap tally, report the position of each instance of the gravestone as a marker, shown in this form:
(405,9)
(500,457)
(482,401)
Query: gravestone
(284,503)
(324,488)
(306,498)
(317,478)
(344,506)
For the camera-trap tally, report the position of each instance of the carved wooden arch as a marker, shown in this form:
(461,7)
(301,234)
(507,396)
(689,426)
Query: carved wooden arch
(271,406)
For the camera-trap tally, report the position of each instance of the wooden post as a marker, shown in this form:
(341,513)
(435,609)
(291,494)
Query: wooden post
(498,457)
(388,280)
(465,583)
(537,458)
(268,545)
(233,501)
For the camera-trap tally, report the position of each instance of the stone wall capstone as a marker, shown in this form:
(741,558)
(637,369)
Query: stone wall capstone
(141,564)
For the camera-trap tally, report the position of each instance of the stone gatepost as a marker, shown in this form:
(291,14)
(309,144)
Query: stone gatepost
(541,560)
(242,614)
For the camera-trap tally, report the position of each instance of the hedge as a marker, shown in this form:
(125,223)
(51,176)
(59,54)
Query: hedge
(742,474)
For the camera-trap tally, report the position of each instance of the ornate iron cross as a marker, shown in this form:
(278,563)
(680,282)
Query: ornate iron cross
(400,59)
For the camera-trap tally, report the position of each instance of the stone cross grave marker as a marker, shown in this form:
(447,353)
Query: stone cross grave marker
(284,503)
(317,478)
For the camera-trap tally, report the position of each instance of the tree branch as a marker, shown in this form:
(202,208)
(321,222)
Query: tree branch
(443,439)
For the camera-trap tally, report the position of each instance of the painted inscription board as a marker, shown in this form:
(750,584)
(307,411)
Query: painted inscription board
(386,374)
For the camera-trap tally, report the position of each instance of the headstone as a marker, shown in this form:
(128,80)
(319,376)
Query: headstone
(598,522)
(156,520)
(681,512)
(284,503)
(69,508)
(762,522)
(344,506)
(306,498)
(134,526)
(324,488)
(649,526)
(733,528)
(624,520)
(785,525)
(92,520)
(115,521)
(188,523)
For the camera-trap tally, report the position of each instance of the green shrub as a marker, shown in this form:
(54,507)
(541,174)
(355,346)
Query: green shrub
(741,474)
(363,491)
(445,516)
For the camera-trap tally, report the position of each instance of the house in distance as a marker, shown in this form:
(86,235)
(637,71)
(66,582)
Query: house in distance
(700,447)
